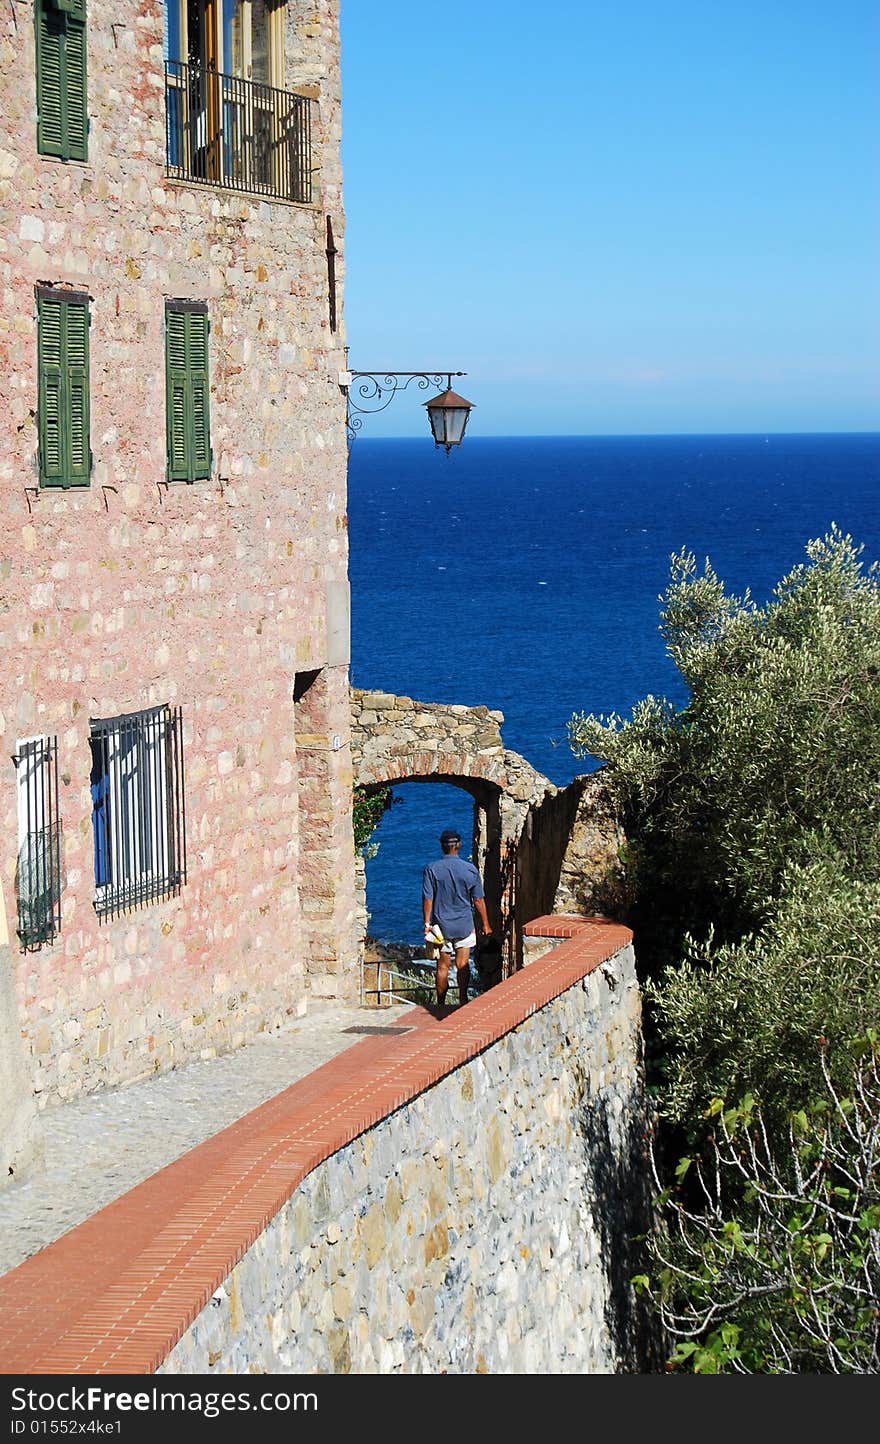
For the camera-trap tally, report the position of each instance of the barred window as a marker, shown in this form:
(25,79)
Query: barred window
(38,874)
(138,815)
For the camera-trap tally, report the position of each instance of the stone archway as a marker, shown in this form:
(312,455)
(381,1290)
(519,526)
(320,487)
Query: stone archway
(397,739)
(539,848)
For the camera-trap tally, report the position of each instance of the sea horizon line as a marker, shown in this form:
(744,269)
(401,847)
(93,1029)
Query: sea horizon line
(625,435)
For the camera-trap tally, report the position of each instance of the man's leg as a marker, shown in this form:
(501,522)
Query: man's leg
(443,961)
(463,969)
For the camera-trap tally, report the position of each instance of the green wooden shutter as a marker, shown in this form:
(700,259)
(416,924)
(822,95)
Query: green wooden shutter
(200,427)
(63,400)
(75,8)
(51,30)
(77,107)
(79,456)
(175,396)
(50,401)
(62,111)
(187,391)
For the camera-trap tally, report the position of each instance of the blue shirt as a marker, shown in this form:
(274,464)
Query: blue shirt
(452,884)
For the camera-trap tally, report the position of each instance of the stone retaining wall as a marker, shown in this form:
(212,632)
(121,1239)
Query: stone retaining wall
(481,1227)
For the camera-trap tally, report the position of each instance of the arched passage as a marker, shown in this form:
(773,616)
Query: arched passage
(398,740)
(539,848)
(407,837)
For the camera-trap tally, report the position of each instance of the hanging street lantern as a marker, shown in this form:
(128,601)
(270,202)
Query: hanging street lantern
(448,414)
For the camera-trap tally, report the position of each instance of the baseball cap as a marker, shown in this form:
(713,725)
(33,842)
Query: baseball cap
(449,834)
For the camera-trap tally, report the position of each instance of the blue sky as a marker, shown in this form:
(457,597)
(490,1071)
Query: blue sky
(640,217)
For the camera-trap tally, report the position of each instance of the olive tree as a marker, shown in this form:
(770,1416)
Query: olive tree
(752,818)
(752,813)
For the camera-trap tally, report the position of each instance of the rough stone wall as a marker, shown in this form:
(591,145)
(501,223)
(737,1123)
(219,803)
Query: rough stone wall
(325,867)
(484,1227)
(21,1144)
(213,596)
(569,853)
(398,739)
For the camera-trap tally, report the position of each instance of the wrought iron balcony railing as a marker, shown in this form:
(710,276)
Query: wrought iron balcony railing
(237,134)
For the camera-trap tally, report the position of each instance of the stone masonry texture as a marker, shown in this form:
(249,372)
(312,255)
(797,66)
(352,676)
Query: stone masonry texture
(21,1146)
(133,592)
(480,1228)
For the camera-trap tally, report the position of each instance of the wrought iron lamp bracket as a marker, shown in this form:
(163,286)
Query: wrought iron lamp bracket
(368,392)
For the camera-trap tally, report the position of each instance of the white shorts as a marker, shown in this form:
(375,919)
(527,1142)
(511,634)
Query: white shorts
(452,945)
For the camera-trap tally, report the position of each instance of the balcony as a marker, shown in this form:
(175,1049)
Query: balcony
(236,134)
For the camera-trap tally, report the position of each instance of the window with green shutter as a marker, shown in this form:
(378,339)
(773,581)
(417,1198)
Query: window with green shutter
(63,387)
(62,117)
(187,390)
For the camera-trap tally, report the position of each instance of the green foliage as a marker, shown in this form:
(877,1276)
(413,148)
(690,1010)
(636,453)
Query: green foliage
(752,818)
(747,1016)
(753,828)
(772,764)
(770,1262)
(369,805)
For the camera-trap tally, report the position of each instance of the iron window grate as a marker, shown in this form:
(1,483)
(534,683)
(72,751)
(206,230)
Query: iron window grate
(38,871)
(138,809)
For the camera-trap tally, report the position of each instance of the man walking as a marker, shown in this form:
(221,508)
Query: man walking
(451,893)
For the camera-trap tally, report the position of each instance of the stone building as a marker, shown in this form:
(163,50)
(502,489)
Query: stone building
(175,824)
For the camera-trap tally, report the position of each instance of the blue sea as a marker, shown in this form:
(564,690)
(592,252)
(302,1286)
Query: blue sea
(524,573)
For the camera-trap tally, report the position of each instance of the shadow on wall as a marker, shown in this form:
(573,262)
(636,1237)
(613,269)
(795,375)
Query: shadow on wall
(622,1215)
(569,854)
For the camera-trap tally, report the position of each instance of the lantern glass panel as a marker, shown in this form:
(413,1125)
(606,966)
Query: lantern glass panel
(448,423)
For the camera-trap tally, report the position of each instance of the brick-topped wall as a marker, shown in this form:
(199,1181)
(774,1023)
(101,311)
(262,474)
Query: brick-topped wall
(455,1199)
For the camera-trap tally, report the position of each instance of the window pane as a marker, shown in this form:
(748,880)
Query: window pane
(233,60)
(195,32)
(124,756)
(137,809)
(100,785)
(171,39)
(261,70)
(38,873)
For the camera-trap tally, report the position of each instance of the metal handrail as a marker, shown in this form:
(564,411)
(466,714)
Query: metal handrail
(396,997)
(237,134)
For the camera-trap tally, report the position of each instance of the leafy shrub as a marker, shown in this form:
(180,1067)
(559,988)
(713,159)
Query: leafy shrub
(770,1262)
(747,1017)
(772,765)
(752,817)
(369,804)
